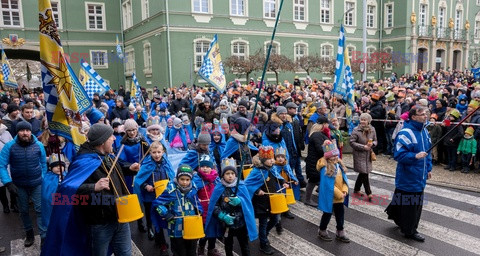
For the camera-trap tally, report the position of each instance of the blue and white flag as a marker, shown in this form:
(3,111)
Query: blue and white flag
(212,68)
(91,80)
(349,92)
(476,73)
(119,50)
(135,92)
(7,77)
(339,65)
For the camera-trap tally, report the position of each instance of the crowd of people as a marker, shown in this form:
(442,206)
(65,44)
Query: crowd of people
(224,138)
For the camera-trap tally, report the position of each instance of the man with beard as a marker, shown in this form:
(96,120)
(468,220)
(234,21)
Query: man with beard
(179,104)
(241,111)
(27,159)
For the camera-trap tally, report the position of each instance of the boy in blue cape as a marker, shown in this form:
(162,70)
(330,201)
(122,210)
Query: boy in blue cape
(50,183)
(229,213)
(82,225)
(193,156)
(187,127)
(217,146)
(237,144)
(333,192)
(156,167)
(260,183)
(178,200)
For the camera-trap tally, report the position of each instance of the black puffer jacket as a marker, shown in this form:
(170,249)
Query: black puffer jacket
(315,152)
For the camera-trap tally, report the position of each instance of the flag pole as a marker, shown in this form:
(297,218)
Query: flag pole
(260,86)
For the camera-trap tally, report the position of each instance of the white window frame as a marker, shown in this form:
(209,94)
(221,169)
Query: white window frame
(206,41)
(127,15)
(353,48)
(389,16)
(389,50)
(130,64)
(370,49)
(58,12)
(458,22)
(236,3)
(322,49)
(297,7)
(324,10)
(145,9)
(296,46)
(442,21)
(87,16)
(371,16)
(269,2)
(238,54)
(209,6)
(476,31)
(105,59)
(20,15)
(276,44)
(422,19)
(351,15)
(147,58)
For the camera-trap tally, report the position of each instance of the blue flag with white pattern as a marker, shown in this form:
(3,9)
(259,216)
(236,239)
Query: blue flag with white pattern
(91,81)
(212,68)
(135,92)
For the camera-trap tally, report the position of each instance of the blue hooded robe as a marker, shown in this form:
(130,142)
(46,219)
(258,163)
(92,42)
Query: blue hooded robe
(173,132)
(192,158)
(232,146)
(256,179)
(149,166)
(277,169)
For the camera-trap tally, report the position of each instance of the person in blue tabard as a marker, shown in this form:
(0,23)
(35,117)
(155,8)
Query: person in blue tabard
(140,116)
(176,135)
(217,146)
(50,183)
(193,156)
(81,226)
(237,144)
(230,211)
(156,167)
(187,127)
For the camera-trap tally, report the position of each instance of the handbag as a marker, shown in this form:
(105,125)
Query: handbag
(373,157)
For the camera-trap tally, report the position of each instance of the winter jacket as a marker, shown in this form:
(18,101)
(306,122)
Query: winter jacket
(435,132)
(315,152)
(362,162)
(121,113)
(468,146)
(36,126)
(411,174)
(5,137)
(9,124)
(453,139)
(208,115)
(177,106)
(307,112)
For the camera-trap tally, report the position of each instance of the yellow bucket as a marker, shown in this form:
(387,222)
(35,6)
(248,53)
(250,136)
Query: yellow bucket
(290,198)
(278,203)
(193,227)
(128,208)
(160,186)
(246,172)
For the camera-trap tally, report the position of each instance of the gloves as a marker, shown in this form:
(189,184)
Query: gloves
(234,201)
(12,189)
(227,218)
(162,210)
(169,217)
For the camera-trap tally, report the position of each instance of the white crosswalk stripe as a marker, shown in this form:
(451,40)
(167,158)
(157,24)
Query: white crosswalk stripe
(290,244)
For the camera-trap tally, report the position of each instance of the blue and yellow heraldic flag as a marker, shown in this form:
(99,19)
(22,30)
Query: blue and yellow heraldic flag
(7,78)
(65,97)
(212,68)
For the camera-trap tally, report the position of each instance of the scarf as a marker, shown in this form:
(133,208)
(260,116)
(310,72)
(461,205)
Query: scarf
(184,190)
(229,185)
(208,177)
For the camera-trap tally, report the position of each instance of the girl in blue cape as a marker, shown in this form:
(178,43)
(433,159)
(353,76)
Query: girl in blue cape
(231,214)
(187,127)
(156,167)
(333,192)
(193,156)
(119,133)
(176,135)
(217,146)
(238,141)
(262,180)
(168,128)
(50,183)
(154,133)
(179,199)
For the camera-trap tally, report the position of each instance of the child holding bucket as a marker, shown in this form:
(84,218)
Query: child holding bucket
(205,180)
(231,214)
(333,192)
(262,185)
(172,209)
(154,169)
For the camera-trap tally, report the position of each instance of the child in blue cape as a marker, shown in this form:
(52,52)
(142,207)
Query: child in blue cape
(333,192)
(156,167)
(50,183)
(179,199)
(187,127)
(260,183)
(231,214)
(217,146)
(176,135)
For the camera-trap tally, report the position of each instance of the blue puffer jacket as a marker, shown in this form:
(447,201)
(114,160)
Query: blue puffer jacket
(28,163)
(412,173)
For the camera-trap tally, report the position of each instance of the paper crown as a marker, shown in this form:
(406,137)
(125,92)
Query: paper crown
(473,104)
(331,115)
(266,152)
(434,116)
(330,149)
(390,97)
(469,131)
(153,120)
(281,151)
(229,162)
(455,113)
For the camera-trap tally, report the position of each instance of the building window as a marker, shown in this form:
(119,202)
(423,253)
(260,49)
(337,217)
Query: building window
(422,29)
(370,16)
(325,10)
(477,29)
(201,48)
(11,14)
(326,51)
(56,11)
(145,9)
(147,57)
(127,14)
(389,15)
(99,58)
(299,10)
(389,50)
(458,23)
(95,16)
(350,49)
(349,17)
(441,23)
(240,49)
(237,7)
(275,47)
(269,9)
(130,56)
(301,50)
(201,6)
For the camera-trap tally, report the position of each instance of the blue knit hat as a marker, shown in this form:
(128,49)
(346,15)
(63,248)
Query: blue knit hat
(95,115)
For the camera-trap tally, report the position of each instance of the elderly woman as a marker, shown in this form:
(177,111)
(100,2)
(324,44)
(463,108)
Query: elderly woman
(362,140)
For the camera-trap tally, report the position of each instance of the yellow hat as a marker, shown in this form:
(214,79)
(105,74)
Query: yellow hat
(455,113)
(474,104)
(390,97)
(469,131)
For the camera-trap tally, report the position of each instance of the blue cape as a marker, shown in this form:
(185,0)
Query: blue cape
(296,188)
(68,234)
(143,114)
(190,131)
(275,145)
(49,187)
(325,195)
(69,150)
(233,146)
(191,158)
(173,132)
(148,166)
(214,228)
(256,179)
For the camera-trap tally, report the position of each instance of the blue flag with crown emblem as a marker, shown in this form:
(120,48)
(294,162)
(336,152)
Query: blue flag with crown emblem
(212,68)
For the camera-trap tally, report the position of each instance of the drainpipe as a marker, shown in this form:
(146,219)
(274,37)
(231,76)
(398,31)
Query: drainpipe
(381,33)
(169,56)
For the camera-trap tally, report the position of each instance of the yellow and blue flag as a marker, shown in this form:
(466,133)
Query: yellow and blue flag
(65,97)
(119,50)
(92,82)
(135,92)
(7,78)
(212,68)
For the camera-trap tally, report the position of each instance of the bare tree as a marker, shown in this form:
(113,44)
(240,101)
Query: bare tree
(309,63)
(245,66)
(327,66)
(278,62)
(474,58)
